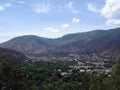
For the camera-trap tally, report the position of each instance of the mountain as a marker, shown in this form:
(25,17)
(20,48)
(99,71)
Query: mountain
(28,44)
(94,41)
(12,56)
(97,41)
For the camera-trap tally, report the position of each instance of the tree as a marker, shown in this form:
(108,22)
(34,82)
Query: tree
(97,82)
(115,76)
(12,78)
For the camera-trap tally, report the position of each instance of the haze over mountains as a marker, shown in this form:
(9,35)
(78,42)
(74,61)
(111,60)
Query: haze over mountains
(97,41)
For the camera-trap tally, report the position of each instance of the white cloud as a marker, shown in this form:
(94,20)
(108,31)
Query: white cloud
(92,8)
(112,22)
(71,7)
(51,29)
(21,2)
(75,20)
(41,7)
(2,8)
(7,4)
(66,26)
(111,9)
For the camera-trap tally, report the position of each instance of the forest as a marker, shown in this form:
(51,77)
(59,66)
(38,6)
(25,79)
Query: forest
(46,76)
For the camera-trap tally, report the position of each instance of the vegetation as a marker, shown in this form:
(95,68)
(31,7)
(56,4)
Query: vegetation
(47,76)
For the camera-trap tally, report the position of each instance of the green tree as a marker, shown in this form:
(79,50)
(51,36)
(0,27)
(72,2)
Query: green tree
(97,82)
(12,78)
(115,76)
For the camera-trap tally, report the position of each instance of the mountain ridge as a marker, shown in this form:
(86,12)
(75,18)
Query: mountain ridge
(92,41)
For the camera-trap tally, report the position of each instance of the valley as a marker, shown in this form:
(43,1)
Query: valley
(97,48)
(76,61)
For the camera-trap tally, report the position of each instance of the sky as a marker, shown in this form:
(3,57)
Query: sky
(55,18)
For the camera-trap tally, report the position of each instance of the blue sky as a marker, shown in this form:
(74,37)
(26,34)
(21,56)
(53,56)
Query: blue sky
(55,18)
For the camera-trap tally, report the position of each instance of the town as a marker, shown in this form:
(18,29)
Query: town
(88,63)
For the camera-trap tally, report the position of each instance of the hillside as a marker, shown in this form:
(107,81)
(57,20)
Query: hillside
(27,44)
(94,41)
(97,41)
(12,56)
